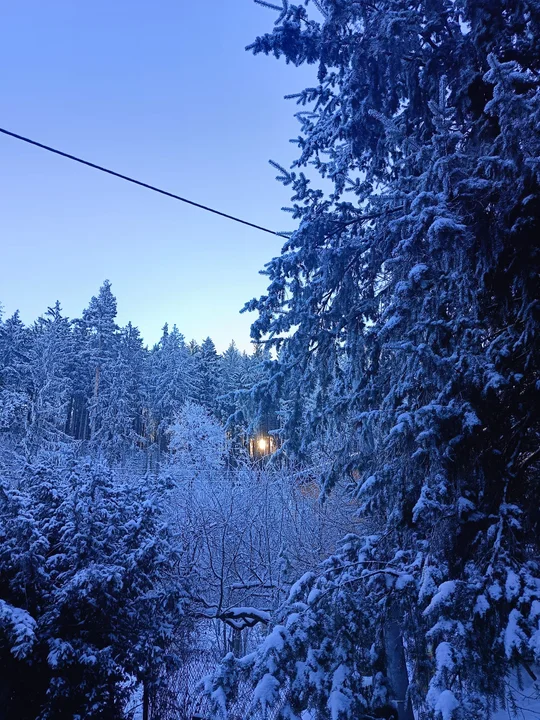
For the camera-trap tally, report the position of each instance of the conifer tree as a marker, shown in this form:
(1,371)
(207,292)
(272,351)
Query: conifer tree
(193,347)
(101,328)
(90,590)
(207,371)
(82,381)
(15,377)
(51,358)
(231,379)
(170,381)
(121,417)
(408,310)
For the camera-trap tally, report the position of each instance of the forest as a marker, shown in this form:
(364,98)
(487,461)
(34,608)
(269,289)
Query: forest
(343,524)
(145,532)
(91,381)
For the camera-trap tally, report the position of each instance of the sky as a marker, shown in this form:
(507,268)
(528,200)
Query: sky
(164,92)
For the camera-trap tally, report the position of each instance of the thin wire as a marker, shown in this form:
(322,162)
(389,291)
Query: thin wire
(137,182)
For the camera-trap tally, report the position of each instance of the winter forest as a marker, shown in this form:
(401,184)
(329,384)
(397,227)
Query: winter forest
(343,524)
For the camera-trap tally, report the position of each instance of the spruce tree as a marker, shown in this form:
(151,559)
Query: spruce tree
(230,380)
(99,321)
(170,371)
(15,378)
(408,309)
(121,422)
(206,373)
(91,594)
(51,359)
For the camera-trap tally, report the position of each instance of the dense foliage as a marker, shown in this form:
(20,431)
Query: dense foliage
(90,592)
(406,314)
(89,380)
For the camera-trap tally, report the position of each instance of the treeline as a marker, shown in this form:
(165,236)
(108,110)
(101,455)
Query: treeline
(90,380)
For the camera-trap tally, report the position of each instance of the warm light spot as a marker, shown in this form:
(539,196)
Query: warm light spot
(262,444)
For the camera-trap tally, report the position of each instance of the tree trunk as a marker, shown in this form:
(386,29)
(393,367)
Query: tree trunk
(236,642)
(146,702)
(396,668)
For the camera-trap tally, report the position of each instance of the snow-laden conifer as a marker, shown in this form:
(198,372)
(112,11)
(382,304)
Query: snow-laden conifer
(405,307)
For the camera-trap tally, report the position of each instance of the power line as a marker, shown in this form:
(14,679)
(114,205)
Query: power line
(136,182)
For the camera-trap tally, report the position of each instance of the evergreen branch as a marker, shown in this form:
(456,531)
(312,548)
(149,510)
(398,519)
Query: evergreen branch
(364,218)
(269,5)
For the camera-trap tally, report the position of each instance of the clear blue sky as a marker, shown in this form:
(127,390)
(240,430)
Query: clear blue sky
(163,91)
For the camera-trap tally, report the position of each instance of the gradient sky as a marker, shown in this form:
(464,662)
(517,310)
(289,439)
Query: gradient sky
(163,91)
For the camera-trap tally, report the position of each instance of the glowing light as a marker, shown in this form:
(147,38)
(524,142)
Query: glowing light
(262,444)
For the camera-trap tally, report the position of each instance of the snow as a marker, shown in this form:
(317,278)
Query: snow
(495,591)
(464,26)
(299,586)
(534,643)
(428,585)
(443,226)
(275,640)
(20,627)
(314,595)
(135,704)
(367,484)
(464,506)
(338,701)
(417,272)
(248,611)
(471,420)
(266,691)
(446,704)
(481,606)
(444,656)
(512,585)
(424,502)
(443,595)
(514,637)
(403,580)
(392,322)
